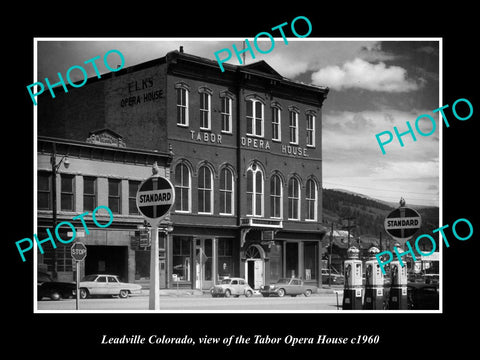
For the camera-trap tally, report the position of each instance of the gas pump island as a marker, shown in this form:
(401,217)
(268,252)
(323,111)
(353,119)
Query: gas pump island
(401,224)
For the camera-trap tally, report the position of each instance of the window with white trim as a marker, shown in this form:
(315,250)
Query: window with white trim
(293,199)
(205,113)
(254,117)
(205,190)
(226,114)
(276,124)
(182,105)
(311,198)
(276,197)
(226,192)
(254,191)
(293,127)
(311,130)
(182,188)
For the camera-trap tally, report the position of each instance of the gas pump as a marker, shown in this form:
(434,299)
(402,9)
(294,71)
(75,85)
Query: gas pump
(398,291)
(374,296)
(352,291)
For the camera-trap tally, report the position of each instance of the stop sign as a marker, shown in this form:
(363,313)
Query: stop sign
(155,198)
(79,251)
(403,223)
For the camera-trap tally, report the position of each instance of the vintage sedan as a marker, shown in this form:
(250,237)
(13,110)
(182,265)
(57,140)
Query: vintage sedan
(288,286)
(54,290)
(105,284)
(232,287)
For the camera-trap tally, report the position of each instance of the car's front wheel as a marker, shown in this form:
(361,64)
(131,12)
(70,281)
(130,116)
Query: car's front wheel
(123,294)
(83,293)
(228,293)
(248,293)
(308,292)
(281,292)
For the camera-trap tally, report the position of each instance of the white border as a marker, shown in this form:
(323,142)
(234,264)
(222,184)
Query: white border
(339,311)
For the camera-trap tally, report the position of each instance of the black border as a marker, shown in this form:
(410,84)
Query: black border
(408,334)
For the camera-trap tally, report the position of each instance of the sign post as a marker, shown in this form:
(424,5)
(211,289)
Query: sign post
(155,198)
(79,253)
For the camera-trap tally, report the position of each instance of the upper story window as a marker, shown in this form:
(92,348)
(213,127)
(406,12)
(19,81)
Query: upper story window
(182,90)
(254,191)
(254,117)
(44,190)
(67,192)
(293,199)
(114,195)
(205,190)
(276,197)
(276,124)
(311,197)
(310,130)
(293,126)
(226,192)
(89,193)
(132,196)
(182,188)
(205,108)
(226,114)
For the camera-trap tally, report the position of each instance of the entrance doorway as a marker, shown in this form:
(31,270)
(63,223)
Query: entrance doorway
(107,260)
(255,266)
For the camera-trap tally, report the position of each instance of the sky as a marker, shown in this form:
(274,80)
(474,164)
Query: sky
(375,84)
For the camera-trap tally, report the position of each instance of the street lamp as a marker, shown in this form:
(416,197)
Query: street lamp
(55,168)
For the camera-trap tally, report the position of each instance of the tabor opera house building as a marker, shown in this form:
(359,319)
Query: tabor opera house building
(242,147)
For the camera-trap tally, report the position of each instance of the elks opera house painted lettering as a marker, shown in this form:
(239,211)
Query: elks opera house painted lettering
(139,85)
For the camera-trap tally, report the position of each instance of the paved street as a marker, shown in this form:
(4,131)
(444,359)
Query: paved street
(191,303)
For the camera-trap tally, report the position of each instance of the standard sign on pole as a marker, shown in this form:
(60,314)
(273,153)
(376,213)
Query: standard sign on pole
(403,223)
(79,253)
(155,198)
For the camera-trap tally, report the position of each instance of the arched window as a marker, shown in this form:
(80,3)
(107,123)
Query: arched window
(293,199)
(182,188)
(205,190)
(311,197)
(254,191)
(226,192)
(276,195)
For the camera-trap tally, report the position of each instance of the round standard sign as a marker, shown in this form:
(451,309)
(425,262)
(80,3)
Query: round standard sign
(403,223)
(155,198)
(79,251)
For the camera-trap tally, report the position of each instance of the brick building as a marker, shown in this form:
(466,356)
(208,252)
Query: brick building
(246,163)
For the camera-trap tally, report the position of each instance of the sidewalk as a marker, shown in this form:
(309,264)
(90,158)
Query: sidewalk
(324,290)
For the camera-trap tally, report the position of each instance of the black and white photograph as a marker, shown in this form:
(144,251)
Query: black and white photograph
(276,174)
(273,185)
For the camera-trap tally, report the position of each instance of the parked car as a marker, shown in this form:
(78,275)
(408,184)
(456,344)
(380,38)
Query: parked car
(337,279)
(423,296)
(54,290)
(232,287)
(288,286)
(105,284)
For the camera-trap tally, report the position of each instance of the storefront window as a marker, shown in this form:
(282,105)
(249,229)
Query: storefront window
(310,260)
(182,254)
(291,257)
(142,265)
(208,262)
(275,256)
(225,258)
